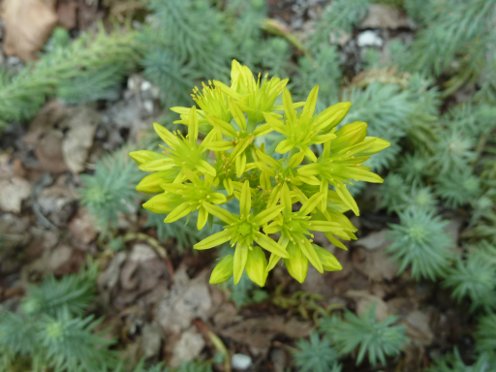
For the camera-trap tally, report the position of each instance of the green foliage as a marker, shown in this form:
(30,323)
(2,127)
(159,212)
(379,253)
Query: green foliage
(458,189)
(185,41)
(474,277)
(421,243)
(193,366)
(339,15)
(316,355)
(454,152)
(73,293)
(50,330)
(364,334)
(109,191)
(169,74)
(463,32)
(453,363)
(90,68)
(69,343)
(485,335)
(396,195)
(320,68)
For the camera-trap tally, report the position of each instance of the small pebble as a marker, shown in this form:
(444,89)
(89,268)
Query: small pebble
(241,361)
(368,39)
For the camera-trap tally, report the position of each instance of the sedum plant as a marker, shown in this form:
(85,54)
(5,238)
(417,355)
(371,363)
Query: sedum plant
(474,278)
(316,355)
(247,162)
(420,242)
(370,338)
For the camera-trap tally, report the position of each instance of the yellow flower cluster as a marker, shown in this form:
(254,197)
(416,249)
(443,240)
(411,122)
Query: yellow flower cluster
(248,161)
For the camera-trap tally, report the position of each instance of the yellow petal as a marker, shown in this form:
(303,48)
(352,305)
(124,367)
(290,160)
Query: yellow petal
(161,203)
(239,262)
(213,240)
(222,271)
(245,200)
(144,156)
(270,245)
(347,198)
(179,212)
(256,266)
(332,116)
(296,264)
(329,261)
(307,249)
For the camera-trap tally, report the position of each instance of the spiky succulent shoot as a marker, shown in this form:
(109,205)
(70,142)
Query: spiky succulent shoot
(50,331)
(458,189)
(109,191)
(366,336)
(454,152)
(420,242)
(453,362)
(414,168)
(322,68)
(221,170)
(316,355)
(339,16)
(485,335)
(73,292)
(474,278)
(396,196)
(462,32)
(88,69)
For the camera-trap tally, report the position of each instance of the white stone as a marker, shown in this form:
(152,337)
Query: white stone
(241,361)
(369,39)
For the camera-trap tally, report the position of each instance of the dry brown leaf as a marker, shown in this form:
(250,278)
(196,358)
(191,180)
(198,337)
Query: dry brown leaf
(13,192)
(385,16)
(258,333)
(418,328)
(187,299)
(82,228)
(67,13)
(28,24)
(187,348)
(376,265)
(61,137)
(81,125)
(374,240)
(365,300)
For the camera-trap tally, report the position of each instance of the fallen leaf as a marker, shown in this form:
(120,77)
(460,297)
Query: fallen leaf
(187,299)
(187,348)
(57,203)
(151,340)
(61,137)
(67,13)
(258,333)
(385,17)
(28,24)
(13,192)
(364,301)
(81,125)
(376,265)
(374,240)
(418,328)
(82,228)
(45,137)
